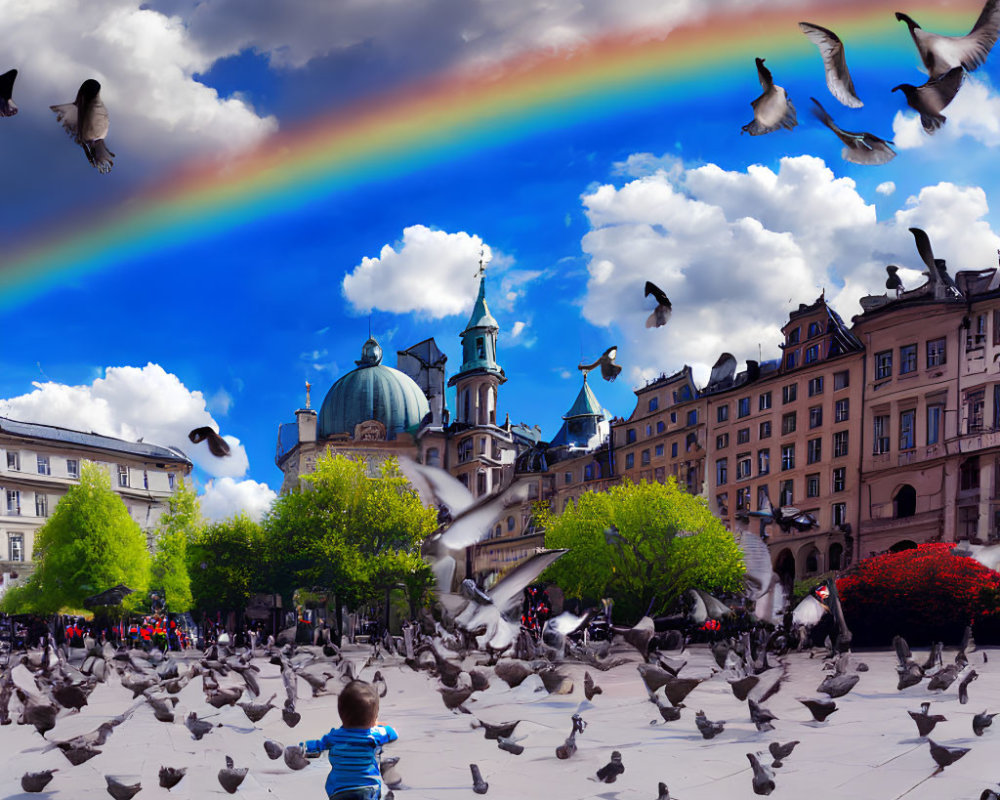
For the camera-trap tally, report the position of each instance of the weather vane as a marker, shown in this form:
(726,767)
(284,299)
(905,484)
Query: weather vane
(482,263)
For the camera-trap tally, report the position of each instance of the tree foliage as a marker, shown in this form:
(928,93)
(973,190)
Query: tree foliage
(179,525)
(227,564)
(89,544)
(667,542)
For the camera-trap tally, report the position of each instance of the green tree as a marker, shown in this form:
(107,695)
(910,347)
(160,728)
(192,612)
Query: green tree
(349,534)
(178,526)
(642,544)
(89,544)
(227,564)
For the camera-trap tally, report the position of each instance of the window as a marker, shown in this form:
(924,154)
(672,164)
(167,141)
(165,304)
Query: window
(433,458)
(841,380)
(816,386)
(786,495)
(976,337)
(812,354)
(659,450)
(839,514)
(842,410)
(673,417)
(480,348)
(880,434)
(630,436)
(839,479)
(673,447)
(660,427)
(764,401)
(693,417)
(907,359)
(743,407)
(937,353)
(41,505)
(762,497)
(974,403)
(788,423)
(814,452)
(721,441)
(721,471)
(793,336)
(789,393)
(649,431)
(815,329)
(13,503)
(465,450)
(744,465)
(72,468)
(883,365)
(812,485)
(743,498)
(15,546)
(722,502)
(968,473)
(765,430)
(934,414)
(815,416)
(588,470)
(907,434)
(511,522)
(654,403)
(763,462)
(13,461)
(482,445)
(645,458)
(629,460)
(43,465)
(145,479)
(722,413)
(480,483)
(742,436)
(171,480)
(792,359)
(567,477)
(788,456)
(840,444)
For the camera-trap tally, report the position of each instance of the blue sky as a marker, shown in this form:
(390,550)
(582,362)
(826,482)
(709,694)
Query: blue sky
(738,230)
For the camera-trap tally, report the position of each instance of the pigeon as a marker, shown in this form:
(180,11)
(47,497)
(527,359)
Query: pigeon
(86,120)
(670,713)
(708,728)
(295,757)
(942,53)
(171,776)
(773,109)
(760,717)
(663,791)
(820,709)
(509,745)
(943,755)
(944,678)
(779,752)
(661,314)
(741,687)
(894,281)
(989,794)
(925,721)
(217,446)
(230,778)
(838,685)
(256,711)
(36,781)
(609,772)
(7,106)
(931,98)
(589,687)
(198,727)
(453,698)
(963,687)
(609,369)
(860,147)
(567,748)
(838,79)
(121,791)
(763,776)
(78,754)
(498,730)
(676,689)
(273,749)
(479,786)
(390,775)
(909,675)
(71,695)
(981,722)
(379,683)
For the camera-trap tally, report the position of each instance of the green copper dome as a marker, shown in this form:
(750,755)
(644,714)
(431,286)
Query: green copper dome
(372,391)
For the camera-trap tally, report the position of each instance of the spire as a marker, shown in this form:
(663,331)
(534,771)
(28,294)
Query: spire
(479,339)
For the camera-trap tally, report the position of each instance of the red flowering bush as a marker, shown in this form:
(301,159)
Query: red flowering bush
(924,594)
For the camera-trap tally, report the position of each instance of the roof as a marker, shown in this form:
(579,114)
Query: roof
(51,433)
(586,404)
(481,316)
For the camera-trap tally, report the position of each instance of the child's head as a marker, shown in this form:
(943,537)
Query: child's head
(358,705)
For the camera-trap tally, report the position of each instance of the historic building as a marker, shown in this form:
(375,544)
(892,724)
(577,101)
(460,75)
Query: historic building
(39,463)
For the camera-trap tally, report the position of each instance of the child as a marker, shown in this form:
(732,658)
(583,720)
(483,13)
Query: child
(355,747)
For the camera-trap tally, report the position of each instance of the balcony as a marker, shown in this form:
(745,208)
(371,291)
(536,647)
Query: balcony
(971,442)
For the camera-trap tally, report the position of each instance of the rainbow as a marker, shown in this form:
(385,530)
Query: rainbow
(446,117)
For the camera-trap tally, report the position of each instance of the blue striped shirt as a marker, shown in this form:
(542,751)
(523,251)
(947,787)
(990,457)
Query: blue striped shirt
(354,756)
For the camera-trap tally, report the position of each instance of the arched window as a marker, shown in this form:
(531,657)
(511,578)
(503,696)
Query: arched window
(511,522)
(904,544)
(905,502)
(812,561)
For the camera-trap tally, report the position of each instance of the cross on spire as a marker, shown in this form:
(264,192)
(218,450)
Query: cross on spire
(482,263)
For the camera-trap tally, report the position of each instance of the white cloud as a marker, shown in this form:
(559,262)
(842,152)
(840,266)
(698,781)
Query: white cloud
(975,112)
(639,165)
(131,403)
(225,497)
(430,272)
(146,63)
(736,251)
(886,188)
(220,402)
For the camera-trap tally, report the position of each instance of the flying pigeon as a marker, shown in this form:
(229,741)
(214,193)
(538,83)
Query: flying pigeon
(859,148)
(86,120)
(121,791)
(589,687)
(894,281)
(661,314)
(773,109)
(943,755)
(7,106)
(925,721)
(295,757)
(33,782)
(931,98)
(838,79)
(171,776)
(708,728)
(820,709)
(942,53)
(273,749)
(609,369)
(217,446)
(230,778)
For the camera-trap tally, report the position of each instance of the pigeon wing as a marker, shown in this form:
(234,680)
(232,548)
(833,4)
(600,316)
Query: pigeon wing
(471,526)
(924,248)
(868,149)
(838,79)
(437,487)
(509,589)
(974,48)
(94,121)
(757,559)
(66,116)
(764,75)
(657,292)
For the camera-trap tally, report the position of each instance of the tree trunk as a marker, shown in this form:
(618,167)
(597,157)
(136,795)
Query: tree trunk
(339,608)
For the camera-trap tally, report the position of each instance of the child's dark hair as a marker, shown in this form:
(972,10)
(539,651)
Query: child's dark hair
(358,705)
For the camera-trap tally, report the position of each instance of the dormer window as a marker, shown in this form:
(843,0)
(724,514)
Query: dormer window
(793,336)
